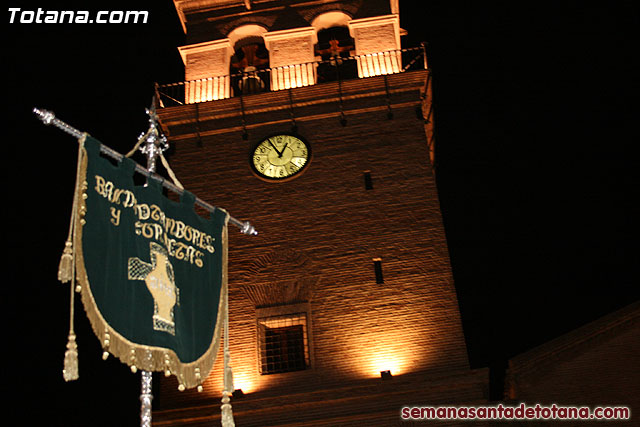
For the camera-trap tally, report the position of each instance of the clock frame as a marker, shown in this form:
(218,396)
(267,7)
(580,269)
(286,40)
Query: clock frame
(280,157)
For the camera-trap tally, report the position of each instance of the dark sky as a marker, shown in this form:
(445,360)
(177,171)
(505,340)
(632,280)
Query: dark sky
(535,110)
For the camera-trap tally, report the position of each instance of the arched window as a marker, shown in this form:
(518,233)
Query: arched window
(250,59)
(335,46)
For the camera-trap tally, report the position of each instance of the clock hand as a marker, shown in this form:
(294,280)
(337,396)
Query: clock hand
(280,153)
(275,148)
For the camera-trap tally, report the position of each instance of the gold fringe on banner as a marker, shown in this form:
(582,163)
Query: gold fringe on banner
(137,356)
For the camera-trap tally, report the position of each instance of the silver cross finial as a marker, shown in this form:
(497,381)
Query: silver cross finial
(156,142)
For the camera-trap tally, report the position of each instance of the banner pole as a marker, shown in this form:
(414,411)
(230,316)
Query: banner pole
(154,144)
(48,118)
(146,397)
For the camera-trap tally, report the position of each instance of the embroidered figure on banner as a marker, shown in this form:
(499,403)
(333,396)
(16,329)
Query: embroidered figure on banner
(161,284)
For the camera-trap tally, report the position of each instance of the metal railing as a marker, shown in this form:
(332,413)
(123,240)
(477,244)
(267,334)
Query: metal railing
(254,80)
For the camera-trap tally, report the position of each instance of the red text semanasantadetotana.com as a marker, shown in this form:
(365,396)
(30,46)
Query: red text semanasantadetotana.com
(521,412)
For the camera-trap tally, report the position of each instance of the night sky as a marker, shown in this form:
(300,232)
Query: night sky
(535,113)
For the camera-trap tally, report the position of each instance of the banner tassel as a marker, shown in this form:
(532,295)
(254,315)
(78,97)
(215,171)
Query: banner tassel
(70,371)
(65,266)
(227,413)
(66,263)
(66,273)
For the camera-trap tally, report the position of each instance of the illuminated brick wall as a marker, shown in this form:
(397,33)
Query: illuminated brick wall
(319,236)
(289,35)
(207,70)
(290,55)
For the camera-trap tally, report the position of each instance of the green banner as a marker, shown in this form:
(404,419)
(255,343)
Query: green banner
(152,271)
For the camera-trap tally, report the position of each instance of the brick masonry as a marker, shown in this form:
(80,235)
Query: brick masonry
(319,234)
(595,365)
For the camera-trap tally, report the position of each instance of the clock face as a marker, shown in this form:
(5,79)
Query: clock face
(280,157)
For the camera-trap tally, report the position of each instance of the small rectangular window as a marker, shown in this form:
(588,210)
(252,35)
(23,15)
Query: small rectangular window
(368,182)
(284,343)
(377,266)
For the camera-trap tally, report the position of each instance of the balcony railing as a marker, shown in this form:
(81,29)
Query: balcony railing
(253,80)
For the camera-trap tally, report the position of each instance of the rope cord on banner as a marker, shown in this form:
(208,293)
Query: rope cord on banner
(48,118)
(156,143)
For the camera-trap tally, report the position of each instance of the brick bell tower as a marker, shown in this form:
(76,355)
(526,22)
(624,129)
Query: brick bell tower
(309,119)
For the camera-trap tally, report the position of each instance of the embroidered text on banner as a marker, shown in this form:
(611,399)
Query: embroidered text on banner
(152,271)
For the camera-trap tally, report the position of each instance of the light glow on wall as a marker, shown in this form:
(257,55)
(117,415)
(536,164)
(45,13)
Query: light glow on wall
(291,57)
(206,70)
(378,64)
(292,76)
(210,89)
(245,381)
(377,45)
(395,350)
(245,378)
